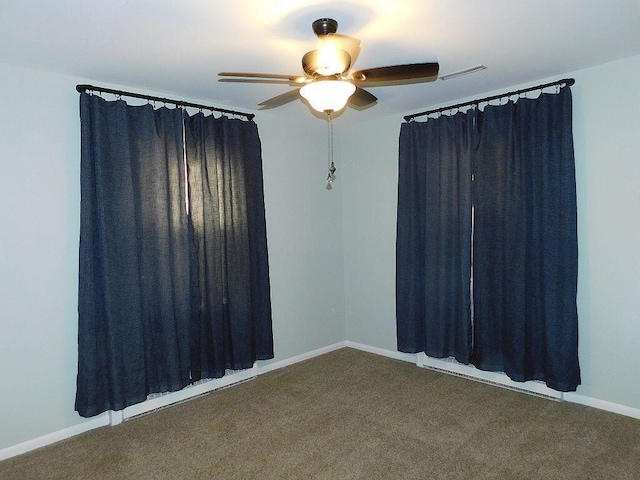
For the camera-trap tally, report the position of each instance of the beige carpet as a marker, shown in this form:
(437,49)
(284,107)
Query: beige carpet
(351,415)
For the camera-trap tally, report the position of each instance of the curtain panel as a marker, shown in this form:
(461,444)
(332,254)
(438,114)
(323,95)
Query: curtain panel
(519,303)
(525,242)
(434,238)
(230,283)
(142,285)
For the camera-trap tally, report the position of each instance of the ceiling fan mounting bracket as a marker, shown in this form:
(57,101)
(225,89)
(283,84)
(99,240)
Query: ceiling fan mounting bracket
(324,26)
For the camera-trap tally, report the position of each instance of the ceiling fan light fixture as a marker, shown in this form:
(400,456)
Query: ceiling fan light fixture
(328,95)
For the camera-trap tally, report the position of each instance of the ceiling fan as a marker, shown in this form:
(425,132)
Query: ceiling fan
(328,84)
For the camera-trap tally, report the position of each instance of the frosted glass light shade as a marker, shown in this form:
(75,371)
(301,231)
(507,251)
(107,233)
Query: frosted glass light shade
(328,95)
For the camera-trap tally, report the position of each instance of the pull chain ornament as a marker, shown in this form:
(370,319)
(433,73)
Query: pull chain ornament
(332,168)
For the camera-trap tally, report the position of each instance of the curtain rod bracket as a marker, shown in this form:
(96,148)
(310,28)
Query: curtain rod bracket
(81,88)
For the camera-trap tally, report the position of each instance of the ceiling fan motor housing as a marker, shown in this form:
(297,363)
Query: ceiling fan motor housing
(324,26)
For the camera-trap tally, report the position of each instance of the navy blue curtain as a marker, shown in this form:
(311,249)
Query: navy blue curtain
(231,325)
(433,253)
(139,260)
(524,242)
(134,256)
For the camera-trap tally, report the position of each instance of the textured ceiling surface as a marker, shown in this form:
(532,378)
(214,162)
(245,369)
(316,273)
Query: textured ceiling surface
(177,47)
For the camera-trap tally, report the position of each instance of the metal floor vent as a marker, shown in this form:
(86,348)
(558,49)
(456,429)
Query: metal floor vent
(495,384)
(154,396)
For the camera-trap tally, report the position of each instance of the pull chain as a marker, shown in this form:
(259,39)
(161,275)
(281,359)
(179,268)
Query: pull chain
(332,169)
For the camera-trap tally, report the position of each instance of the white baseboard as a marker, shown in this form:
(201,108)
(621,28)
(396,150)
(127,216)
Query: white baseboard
(602,405)
(299,358)
(101,420)
(405,357)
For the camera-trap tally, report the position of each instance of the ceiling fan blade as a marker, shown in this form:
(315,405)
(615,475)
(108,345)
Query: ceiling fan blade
(410,71)
(279,100)
(291,78)
(326,61)
(257,80)
(361,98)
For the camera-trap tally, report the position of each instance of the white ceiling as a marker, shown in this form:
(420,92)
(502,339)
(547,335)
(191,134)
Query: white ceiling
(177,47)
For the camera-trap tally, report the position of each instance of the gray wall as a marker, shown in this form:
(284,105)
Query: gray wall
(304,228)
(607,146)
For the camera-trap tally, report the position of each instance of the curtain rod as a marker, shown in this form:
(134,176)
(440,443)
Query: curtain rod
(180,103)
(567,81)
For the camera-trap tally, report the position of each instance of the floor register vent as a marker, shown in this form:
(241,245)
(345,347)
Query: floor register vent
(450,366)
